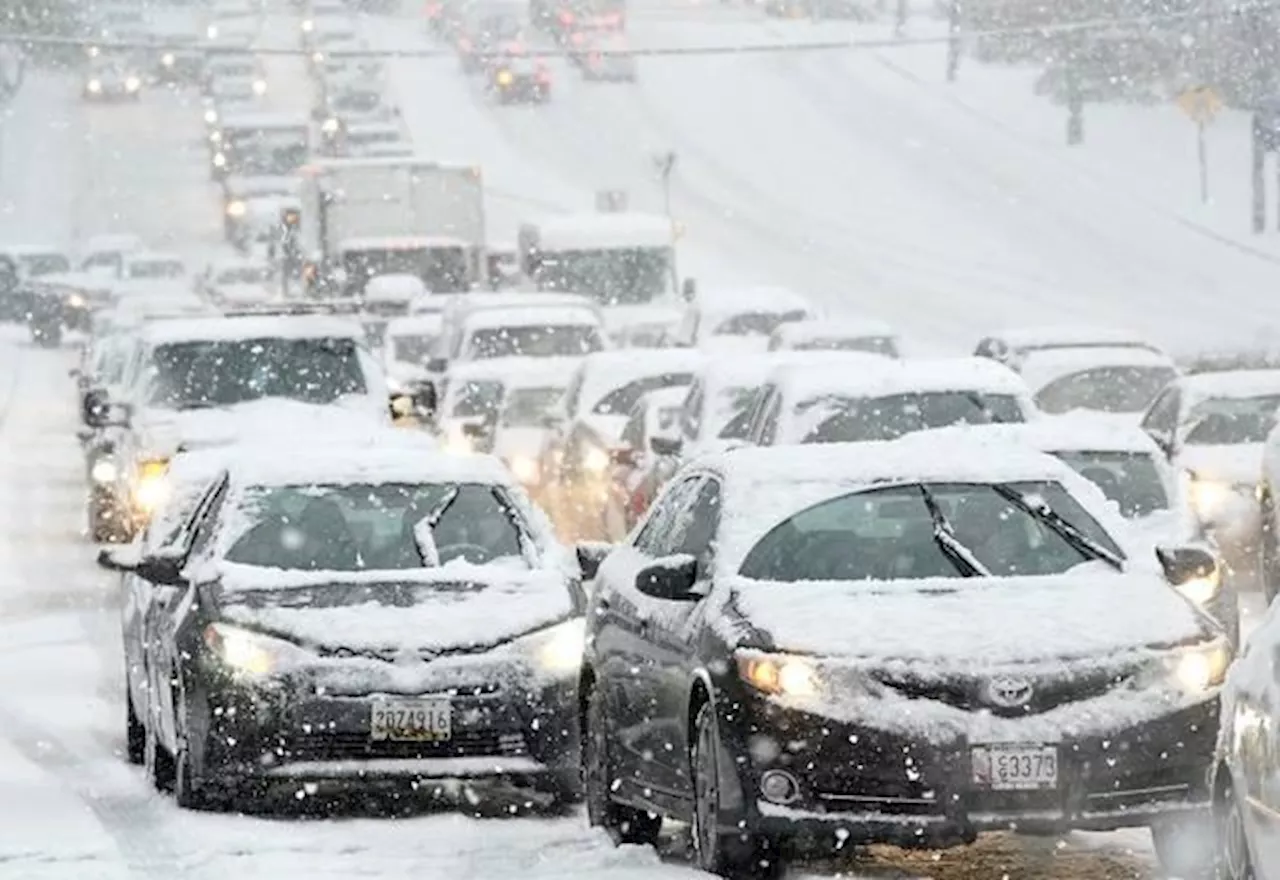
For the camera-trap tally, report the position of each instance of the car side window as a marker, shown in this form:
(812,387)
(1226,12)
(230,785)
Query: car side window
(652,539)
(1162,418)
(691,412)
(769,422)
(695,524)
(756,418)
(633,432)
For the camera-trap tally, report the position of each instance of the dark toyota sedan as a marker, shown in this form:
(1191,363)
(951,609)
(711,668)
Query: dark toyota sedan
(371,615)
(907,642)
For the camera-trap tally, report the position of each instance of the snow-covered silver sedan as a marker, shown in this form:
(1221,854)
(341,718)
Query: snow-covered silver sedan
(903,642)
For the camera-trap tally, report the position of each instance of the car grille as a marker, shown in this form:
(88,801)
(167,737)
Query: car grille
(969,692)
(358,746)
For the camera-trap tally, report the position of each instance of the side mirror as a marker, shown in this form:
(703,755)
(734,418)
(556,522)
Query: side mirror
(624,456)
(121,559)
(437,364)
(689,290)
(590,555)
(1164,441)
(671,578)
(424,399)
(100,414)
(163,570)
(1192,570)
(668,446)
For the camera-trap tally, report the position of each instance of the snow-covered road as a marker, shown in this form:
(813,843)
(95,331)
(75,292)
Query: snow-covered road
(834,174)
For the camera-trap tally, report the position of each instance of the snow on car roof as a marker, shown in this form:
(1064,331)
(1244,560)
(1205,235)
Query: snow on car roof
(401,242)
(264,184)
(605,371)
(837,328)
(1039,368)
(1048,336)
(394,287)
(86,280)
(871,375)
(750,299)
(518,372)
(264,120)
(1232,384)
(32,250)
(252,327)
(539,316)
(1066,433)
(728,371)
(384,459)
(596,231)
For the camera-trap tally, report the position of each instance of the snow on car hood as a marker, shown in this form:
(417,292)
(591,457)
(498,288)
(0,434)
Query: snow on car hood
(1239,464)
(167,430)
(456,607)
(973,622)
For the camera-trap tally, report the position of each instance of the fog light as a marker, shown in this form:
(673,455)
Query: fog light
(779,787)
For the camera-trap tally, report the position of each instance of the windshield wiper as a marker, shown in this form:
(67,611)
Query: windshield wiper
(1064,528)
(429,522)
(983,407)
(952,547)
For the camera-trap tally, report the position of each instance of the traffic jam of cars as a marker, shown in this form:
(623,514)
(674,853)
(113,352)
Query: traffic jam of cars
(392,508)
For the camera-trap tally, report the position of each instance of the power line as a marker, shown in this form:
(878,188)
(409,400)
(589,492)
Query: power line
(864,44)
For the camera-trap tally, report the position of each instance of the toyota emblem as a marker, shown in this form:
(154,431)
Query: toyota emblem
(1009,691)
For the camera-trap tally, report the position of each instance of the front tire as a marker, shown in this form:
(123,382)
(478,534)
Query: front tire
(623,824)
(135,735)
(1186,847)
(1233,861)
(158,762)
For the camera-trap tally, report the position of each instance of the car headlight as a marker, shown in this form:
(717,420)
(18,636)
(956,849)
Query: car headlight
(211,32)
(76,301)
(210,117)
(219,159)
(1201,590)
(505,78)
(236,208)
(215,136)
(779,674)
(95,86)
(151,487)
(330,126)
(557,650)
(250,653)
(524,468)
(168,59)
(595,459)
(132,84)
(318,57)
(259,87)
(104,471)
(308,25)
(1200,668)
(1208,497)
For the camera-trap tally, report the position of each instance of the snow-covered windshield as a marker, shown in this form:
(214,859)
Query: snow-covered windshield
(892,534)
(244,275)
(412,349)
(441,269)
(1130,479)
(525,407)
(192,375)
(1106,389)
(757,323)
(614,276)
(620,401)
(1230,421)
(156,269)
(834,419)
(476,397)
(33,265)
(885,345)
(372,527)
(546,341)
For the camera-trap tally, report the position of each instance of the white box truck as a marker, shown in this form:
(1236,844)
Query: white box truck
(404,216)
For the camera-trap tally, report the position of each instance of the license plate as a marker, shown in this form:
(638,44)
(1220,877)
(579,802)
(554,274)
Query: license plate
(1015,767)
(411,720)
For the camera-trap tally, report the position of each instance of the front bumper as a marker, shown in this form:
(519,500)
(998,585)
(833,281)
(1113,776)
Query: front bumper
(526,736)
(864,785)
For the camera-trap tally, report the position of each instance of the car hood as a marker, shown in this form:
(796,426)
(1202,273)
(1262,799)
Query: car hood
(973,621)
(1239,464)
(167,431)
(454,609)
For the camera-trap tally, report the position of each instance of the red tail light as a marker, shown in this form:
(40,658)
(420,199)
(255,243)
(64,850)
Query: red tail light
(577,38)
(566,18)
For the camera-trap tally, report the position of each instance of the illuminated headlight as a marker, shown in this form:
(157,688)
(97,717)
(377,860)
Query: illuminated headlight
(95,86)
(211,32)
(524,468)
(505,78)
(557,650)
(104,471)
(219,160)
(1201,590)
(308,25)
(595,459)
(1200,668)
(168,59)
(94,51)
(215,137)
(259,87)
(236,208)
(779,674)
(132,84)
(210,117)
(151,488)
(318,57)
(76,301)
(1209,498)
(249,653)
(330,126)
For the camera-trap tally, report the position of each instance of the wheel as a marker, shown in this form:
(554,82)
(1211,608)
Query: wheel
(624,824)
(739,852)
(189,791)
(1185,847)
(158,762)
(1232,860)
(135,735)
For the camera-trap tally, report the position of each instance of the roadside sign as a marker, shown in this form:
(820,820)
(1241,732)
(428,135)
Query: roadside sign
(1200,103)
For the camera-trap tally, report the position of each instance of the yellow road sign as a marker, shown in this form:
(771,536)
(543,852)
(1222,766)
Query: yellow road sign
(1200,103)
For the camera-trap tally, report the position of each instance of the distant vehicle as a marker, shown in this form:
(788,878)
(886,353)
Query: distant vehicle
(1119,383)
(106,253)
(745,315)
(513,76)
(152,266)
(637,475)
(237,283)
(113,78)
(484,29)
(235,67)
(605,58)
(260,144)
(1012,346)
(19,264)
(57,303)
(251,206)
(837,334)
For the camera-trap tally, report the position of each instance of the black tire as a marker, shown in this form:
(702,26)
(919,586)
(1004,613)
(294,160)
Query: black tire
(740,852)
(158,762)
(1232,859)
(135,735)
(1186,847)
(624,824)
(189,792)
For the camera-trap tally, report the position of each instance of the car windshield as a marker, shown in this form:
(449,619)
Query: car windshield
(1232,421)
(33,265)
(612,277)
(892,534)
(1130,479)
(542,341)
(525,407)
(192,375)
(156,269)
(757,323)
(244,275)
(412,348)
(885,345)
(856,420)
(375,527)
(477,398)
(441,269)
(1106,389)
(620,401)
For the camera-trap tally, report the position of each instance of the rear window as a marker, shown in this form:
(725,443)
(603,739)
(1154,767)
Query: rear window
(621,401)
(477,398)
(882,345)
(157,269)
(1106,389)
(1130,479)
(526,407)
(545,341)
(33,265)
(858,420)
(757,323)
